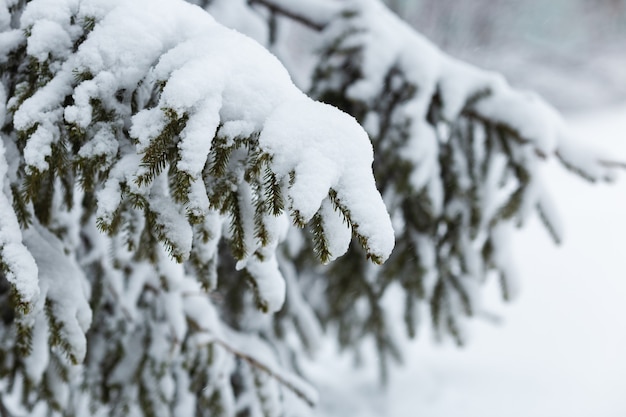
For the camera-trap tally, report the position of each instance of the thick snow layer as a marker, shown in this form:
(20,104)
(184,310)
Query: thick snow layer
(9,40)
(63,283)
(557,351)
(21,270)
(323,159)
(212,76)
(48,38)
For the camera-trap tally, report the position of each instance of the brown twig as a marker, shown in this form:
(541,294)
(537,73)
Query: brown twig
(275,8)
(254,363)
(262,367)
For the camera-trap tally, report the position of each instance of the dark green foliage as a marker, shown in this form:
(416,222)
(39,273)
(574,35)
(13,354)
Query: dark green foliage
(57,334)
(38,74)
(320,243)
(163,151)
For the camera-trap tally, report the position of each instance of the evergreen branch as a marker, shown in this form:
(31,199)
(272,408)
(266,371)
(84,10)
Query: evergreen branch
(24,337)
(273,192)
(505,130)
(162,149)
(260,229)
(511,207)
(56,332)
(23,214)
(466,301)
(180,182)
(206,272)
(320,242)
(548,224)
(259,301)
(504,287)
(219,156)
(236,226)
(363,240)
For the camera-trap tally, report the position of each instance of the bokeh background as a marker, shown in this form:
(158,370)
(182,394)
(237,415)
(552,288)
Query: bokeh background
(559,350)
(573,52)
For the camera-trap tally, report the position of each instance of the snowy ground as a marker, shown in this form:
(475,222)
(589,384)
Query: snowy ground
(560,350)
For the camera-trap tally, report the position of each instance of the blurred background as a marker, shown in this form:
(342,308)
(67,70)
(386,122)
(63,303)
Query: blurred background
(573,52)
(559,350)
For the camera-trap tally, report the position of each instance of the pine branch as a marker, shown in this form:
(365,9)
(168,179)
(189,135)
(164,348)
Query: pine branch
(363,241)
(273,192)
(320,242)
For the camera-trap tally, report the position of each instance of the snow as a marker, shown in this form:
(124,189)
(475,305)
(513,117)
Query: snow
(339,236)
(210,83)
(5,16)
(387,44)
(37,362)
(22,270)
(48,38)
(557,351)
(322,159)
(9,40)
(269,281)
(103,143)
(62,283)
(310,139)
(236,14)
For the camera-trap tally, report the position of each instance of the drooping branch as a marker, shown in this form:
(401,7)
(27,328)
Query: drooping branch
(280,378)
(300,389)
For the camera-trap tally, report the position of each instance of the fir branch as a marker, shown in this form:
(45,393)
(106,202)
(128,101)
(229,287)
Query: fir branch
(363,240)
(456,284)
(552,230)
(237,230)
(260,228)
(273,192)
(320,242)
(22,212)
(259,301)
(504,286)
(219,156)
(163,149)
(206,272)
(81,75)
(56,333)
(180,183)
(511,207)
